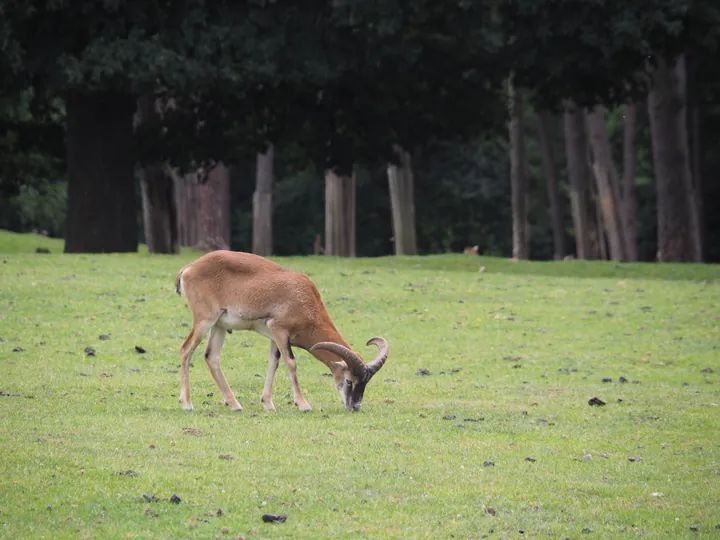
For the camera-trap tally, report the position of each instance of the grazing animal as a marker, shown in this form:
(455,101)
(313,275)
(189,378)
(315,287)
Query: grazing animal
(229,290)
(471,250)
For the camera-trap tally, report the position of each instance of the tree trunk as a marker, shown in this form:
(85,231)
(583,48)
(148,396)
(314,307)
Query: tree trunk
(677,208)
(402,201)
(576,151)
(628,182)
(101,161)
(606,177)
(518,182)
(697,169)
(158,197)
(214,210)
(159,212)
(339,215)
(187,203)
(551,181)
(262,205)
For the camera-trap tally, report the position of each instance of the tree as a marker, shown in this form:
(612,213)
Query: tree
(158,197)
(678,217)
(551,182)
(518,180)
(263,205)
(340,214)
(402,201)
(101,213)
(628,181)
(187,203)
(606,177)
(576,152)
(214,210)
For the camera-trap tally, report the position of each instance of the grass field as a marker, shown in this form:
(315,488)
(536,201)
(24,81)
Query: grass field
(498,438)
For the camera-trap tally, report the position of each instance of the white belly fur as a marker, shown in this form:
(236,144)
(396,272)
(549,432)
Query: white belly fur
(237,321)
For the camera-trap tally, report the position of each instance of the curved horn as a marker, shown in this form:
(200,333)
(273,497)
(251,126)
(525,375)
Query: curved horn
(383,348)
(353,361)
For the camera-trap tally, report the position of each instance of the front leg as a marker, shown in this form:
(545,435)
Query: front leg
(283,343)
(273,362)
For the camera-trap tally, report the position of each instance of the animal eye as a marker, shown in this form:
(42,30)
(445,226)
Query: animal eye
(348,382)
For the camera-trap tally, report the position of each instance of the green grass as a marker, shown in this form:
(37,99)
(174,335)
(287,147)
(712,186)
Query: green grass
(532,342)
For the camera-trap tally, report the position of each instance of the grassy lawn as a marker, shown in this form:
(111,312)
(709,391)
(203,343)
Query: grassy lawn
(88,443)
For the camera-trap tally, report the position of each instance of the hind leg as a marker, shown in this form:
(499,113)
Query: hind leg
(198,332)
(212,359)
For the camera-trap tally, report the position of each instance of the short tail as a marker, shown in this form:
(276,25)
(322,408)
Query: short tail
(178,281)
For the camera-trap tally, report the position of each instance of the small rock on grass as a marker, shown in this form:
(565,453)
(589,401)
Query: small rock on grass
(623,380)
(175,499)
(587,457)
(707,370)
(140,349)
(607,380)
(530,459)
(596,401)
(18,349)
(149,497)
(89,351)
(103,337)
(489,464)
(422,371)
(270,518)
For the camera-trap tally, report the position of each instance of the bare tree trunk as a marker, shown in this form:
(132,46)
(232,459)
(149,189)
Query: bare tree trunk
(677,208)
(518,182)
(551,181)
(158,196)
(262,205)
(339,215)
(187,204)
(214,210)
(402,201)
(576,151)
(628,182)
(606,177)
(101,209)
(697,169)
(159,212)
(598,244)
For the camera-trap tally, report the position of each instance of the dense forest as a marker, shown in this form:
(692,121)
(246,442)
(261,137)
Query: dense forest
(528,128)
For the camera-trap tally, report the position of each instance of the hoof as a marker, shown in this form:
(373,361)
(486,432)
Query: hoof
(187,407)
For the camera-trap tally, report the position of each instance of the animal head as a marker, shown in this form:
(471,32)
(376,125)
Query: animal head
(356,373)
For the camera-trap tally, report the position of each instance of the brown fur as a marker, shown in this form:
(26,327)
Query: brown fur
(284,305)
(471,250)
